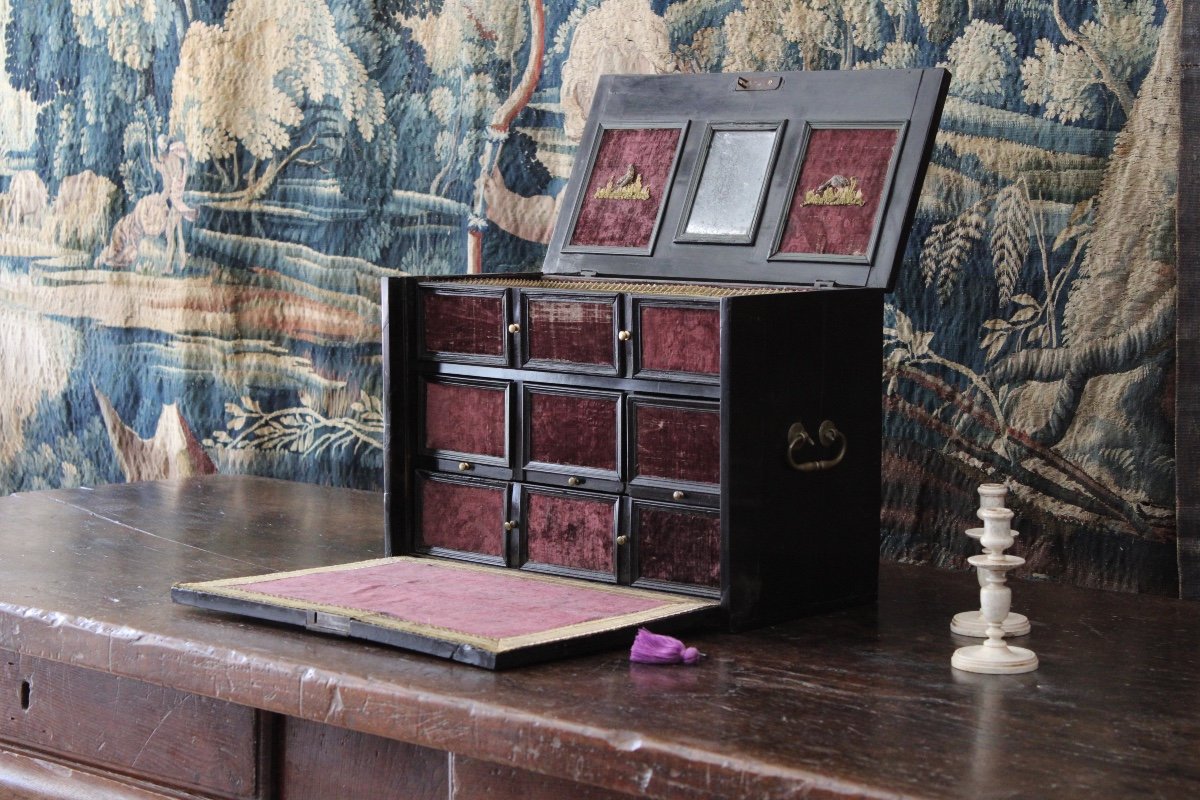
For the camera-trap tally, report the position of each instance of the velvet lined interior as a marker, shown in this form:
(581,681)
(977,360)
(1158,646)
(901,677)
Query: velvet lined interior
(456,323)
(626,223)
(488,602)
(576,332)
(679,546)
(675,339)
(862,153)
(571,430)
(570,531)
(677,443)
(465,419)
(461,517)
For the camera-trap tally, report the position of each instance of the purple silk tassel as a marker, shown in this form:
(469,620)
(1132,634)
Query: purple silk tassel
(654,648)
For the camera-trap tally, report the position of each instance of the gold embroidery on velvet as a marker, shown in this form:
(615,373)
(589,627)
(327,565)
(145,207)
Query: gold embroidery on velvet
(837,191)
(626,187)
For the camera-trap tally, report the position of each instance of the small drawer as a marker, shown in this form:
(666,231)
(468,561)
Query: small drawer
(462,517)
(674,442)
(465,325)
(565,531)
(676,545)
(574,433)
(464,421)
(677,340)
(571,333)
(150,733)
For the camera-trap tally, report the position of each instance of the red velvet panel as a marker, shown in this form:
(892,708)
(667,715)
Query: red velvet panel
(860,153)
(578,431)
(626,222)
(570,531)
(682,444)
(679,546)
(461,517)
(456,323)
(580,333)
(677,339)
(481,602)
(465,419)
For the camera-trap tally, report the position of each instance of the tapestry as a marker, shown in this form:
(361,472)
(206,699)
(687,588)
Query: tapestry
(199,198)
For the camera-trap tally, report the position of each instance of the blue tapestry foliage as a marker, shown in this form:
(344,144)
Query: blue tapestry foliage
(199,200)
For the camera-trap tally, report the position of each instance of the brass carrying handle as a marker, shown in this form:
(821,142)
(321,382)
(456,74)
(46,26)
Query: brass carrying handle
(828,434)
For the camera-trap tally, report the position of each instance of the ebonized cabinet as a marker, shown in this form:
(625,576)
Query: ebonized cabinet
(638,436)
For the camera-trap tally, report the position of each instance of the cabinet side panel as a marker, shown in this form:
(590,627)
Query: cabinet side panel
(800,541)
(399,416)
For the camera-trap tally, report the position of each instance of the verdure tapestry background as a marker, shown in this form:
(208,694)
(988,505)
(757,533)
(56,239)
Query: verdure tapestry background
(199,197)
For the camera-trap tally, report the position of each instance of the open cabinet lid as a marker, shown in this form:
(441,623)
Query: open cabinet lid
(778,178)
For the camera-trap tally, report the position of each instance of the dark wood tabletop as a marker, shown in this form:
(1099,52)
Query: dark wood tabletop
(855,703)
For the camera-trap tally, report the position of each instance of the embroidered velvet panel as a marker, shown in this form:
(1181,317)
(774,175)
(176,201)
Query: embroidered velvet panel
(461,517)
(580,333)
(570,531)
(679,546)
(648,152)
(457,323)
(859,154)
(466,419)
(675,339)
(678,443)
(577,431)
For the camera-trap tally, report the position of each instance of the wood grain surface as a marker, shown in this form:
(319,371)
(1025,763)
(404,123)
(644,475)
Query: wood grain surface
(855,703)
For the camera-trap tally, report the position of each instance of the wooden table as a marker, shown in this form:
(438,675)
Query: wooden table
(109,688)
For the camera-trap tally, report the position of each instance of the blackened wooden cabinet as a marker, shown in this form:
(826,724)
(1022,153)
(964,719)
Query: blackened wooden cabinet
(678,417)
(641,436)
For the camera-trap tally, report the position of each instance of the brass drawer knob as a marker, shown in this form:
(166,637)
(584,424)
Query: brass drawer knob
(622,540)
(678,495)
(510,525)
(514,328)
(624,336)
(464,466)
(573,481)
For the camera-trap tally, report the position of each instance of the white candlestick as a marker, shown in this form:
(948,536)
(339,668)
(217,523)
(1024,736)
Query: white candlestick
(972,623)
(995,656)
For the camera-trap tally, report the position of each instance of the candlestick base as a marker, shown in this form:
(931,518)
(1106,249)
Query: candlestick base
(1005,660)
(972,623)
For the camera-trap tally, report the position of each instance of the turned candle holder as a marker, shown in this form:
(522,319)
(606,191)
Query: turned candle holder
(972,623)
(995,656)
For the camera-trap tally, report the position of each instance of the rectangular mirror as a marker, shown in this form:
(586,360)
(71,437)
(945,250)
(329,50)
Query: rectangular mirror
(724,202)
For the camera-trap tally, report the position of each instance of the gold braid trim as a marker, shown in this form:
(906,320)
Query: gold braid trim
(640,287)
(671,605)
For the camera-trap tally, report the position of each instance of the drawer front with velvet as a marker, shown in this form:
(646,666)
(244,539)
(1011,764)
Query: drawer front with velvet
(569,532)
(469,326)
(676,340)
(465,424)
(674,444)
(571,332)
(675,546)
(462,517)
(572,437)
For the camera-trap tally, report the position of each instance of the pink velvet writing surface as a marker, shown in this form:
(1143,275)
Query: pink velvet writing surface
(862,156)
(570,531)
(679,546)
(570,331)
(485,602)
(629,182)
(461,517)
(573,430)
(466,419)
(456,323)
(681,339)
(678,443)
